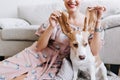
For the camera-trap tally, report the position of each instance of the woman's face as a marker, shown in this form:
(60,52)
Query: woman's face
(72,5)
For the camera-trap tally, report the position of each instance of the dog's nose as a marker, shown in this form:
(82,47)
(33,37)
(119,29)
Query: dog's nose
(82,57)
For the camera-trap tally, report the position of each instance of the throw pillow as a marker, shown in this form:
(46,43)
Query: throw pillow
(12,22)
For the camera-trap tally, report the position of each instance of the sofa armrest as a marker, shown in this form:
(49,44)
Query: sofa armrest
(110,53)
(111,21)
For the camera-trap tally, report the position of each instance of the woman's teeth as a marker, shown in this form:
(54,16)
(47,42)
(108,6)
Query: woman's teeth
(72,5)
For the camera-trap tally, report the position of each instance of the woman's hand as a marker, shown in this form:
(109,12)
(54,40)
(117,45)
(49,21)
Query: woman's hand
(100,10)
(53,18)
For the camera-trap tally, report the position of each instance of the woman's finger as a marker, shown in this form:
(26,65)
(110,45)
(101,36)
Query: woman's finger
(57,13)
(54,18)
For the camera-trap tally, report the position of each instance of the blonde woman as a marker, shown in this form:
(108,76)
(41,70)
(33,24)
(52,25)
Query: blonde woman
(43,59)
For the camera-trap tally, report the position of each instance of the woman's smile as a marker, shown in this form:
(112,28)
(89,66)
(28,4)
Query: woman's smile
(72,5)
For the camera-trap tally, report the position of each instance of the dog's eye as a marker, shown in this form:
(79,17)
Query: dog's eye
(75,45)
(85,44)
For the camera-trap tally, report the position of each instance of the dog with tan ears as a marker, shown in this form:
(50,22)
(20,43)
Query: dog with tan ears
(83,61)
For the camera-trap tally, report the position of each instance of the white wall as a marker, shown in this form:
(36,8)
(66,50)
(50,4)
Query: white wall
(8,8)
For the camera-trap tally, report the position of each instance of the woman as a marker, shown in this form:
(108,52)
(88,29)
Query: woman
(44,58)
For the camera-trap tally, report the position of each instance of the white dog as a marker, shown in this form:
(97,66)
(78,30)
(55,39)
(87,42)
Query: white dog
(84,63)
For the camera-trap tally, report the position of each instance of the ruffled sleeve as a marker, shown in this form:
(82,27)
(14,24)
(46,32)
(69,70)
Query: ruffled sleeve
(43,27)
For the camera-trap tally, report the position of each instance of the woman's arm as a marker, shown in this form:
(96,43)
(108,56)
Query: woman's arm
(96,42)
(44,39)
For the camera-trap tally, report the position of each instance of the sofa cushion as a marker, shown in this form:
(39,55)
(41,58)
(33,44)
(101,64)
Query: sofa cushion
(12,22)
(20,33)
(39,13)
(112,6)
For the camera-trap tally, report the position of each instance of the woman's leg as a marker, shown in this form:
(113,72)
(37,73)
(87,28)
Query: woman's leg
(14,66)
(27,61)
(19,64)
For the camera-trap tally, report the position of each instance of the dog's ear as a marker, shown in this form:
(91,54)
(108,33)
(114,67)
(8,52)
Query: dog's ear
(85,24)
(65,26)
(90,20)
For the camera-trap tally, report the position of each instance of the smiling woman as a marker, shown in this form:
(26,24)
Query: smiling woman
(44,59)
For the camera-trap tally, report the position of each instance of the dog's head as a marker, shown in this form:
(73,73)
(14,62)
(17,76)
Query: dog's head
(78,39)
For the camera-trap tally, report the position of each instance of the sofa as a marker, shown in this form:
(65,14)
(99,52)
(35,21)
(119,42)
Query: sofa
(18,33)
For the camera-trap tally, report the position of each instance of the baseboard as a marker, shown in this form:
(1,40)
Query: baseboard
(2,58)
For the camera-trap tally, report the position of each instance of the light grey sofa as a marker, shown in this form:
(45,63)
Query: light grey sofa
(18,33)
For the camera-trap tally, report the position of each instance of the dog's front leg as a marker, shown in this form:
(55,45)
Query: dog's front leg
(103,72)
(75,71)
(92,72)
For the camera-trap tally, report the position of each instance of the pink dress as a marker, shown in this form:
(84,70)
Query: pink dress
(43,65)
